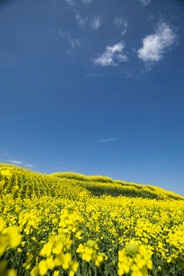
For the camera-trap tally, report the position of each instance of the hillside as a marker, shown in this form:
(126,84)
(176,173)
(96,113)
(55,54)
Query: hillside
(68,224)
(71,185)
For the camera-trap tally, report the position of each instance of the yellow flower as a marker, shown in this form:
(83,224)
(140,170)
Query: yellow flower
(16,187)
(74,266)
(42,266)
(2,223)
(34,271)
(46,250)
(2,183)
(58,248)
(23,243)
(86,257)
(12,272)
(66,260)
(50,262)
(14,237)
(98,260)
(135,257)
(6,173)
(56,273)
(89,251)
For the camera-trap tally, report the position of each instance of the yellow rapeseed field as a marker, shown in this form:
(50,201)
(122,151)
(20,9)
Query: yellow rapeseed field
(70,224)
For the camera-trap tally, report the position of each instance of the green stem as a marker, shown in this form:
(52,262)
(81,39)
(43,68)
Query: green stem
(84,266)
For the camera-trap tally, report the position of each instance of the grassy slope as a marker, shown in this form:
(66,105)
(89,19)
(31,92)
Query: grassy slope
(72,185)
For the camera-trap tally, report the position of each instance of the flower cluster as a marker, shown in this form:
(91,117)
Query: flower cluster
(90,252)
(55,255)
(70,221)
(135,258)
(9,239)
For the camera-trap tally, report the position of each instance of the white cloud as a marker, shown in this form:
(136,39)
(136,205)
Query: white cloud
(119,21)
(144,2)
(106,140)
(96,22)
(86,1)
(112,56)
(15,162)
(74,42)
(81,21)
(61,33)
(155,45)
(29,165)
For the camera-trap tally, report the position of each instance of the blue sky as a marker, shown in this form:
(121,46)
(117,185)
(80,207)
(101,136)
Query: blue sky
(95,87)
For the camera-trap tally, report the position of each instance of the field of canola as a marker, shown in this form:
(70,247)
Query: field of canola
(62,224)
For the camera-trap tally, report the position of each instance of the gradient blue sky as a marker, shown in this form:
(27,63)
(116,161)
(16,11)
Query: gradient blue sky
(94,87)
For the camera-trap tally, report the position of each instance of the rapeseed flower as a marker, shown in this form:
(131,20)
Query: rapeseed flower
(135,258)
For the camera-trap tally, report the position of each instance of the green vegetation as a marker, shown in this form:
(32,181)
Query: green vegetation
(99,185)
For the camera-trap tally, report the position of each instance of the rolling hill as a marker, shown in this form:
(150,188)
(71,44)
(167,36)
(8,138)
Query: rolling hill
(72,185)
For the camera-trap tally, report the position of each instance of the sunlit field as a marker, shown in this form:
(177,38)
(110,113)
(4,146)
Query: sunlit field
(70,224)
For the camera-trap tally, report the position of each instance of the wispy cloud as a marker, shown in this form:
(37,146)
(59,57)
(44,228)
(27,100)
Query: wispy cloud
(81,21)
(86,1)
(155,45)
(120,22)
(15,162)
(74,42)
(112,56)
(29,165)
(106,140)
(70,2)
(96,22)
(144,2)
